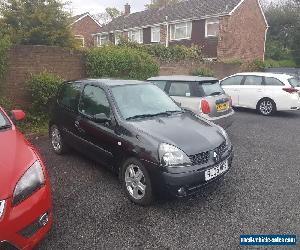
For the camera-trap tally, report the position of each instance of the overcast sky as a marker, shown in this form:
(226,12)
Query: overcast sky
(98,6)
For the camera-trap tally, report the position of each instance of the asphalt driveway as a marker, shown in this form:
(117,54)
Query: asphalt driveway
(261,195)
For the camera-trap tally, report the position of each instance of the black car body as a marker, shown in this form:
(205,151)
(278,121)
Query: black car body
(153,142)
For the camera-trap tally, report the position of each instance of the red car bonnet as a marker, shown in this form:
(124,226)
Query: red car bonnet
(16,156)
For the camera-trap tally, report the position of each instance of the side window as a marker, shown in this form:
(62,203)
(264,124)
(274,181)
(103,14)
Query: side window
(253,80)
(94,101)
(235,80)
(160,84)
(270,81)
(69,95)
(180,89)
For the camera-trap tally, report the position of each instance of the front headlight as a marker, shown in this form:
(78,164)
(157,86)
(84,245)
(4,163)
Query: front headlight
(32,180)
(171,156)
(2,206)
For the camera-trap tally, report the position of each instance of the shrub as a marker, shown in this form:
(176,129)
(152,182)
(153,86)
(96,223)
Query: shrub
(6,103)
(42,88)
(203,72)
(256,65)
(120,62)
(4,46)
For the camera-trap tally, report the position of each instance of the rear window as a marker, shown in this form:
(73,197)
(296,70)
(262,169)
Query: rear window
(295,82)
(211,88)
(180,89)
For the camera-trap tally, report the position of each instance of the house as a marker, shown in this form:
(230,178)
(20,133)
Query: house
(83,27)
(225,29)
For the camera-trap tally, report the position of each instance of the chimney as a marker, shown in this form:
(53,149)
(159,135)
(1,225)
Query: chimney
(127,9)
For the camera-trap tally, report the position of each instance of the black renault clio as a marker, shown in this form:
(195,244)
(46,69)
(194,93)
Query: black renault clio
(142,134)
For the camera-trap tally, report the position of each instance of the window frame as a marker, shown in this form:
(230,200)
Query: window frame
(193,91)
(117,35)
(265,81)
(211,21)
(241,83)
(58,99)
(141,35)
(81,96)
(81,38)
(155,29)
(262,80)
(98,39)
(173,35)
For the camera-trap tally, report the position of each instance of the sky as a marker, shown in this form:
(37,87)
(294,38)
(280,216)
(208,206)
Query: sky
(98,6)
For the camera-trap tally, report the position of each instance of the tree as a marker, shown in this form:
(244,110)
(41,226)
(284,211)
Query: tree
(113,12)
(155,4)
(37,22)
(109,14)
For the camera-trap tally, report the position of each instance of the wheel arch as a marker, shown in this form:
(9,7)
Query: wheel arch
(266,98)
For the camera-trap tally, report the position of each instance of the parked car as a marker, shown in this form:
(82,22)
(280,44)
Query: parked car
(202,95)
(25,199)
(138,131)
(265,92)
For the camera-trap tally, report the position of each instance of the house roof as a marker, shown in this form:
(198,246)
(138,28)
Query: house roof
(77,18)
(187,9)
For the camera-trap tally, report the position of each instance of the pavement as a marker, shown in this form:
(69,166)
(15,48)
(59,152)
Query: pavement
(260,195)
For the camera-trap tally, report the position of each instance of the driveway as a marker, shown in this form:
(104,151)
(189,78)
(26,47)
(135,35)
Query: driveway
(261,195)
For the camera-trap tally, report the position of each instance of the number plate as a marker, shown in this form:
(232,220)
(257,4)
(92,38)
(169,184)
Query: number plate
(222,106)
(215,171)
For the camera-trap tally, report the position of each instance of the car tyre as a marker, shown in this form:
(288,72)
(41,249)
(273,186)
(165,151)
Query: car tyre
(136,182)
(56,140)
(266,107)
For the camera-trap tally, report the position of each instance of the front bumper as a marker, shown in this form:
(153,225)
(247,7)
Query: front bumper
(189,182)
(24,225)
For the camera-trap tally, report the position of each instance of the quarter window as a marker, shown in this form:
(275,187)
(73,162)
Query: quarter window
(253,80)
(155,34)
(160,84)
(94,101)
(180,31)
(235,80)
(212,27)
(69,95)
(180,89)
(270,81)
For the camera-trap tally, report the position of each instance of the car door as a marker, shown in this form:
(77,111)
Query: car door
(232,86)
(251,91)
(67,111)
(99,135)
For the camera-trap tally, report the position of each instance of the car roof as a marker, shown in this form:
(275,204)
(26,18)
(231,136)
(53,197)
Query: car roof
(182,78)
(111,82)
(266,74)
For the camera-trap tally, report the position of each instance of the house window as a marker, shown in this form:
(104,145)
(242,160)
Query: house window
(136,35)
(118,35)
(212,27)
(80,40)
(102,39)
(155,34)
(180,31)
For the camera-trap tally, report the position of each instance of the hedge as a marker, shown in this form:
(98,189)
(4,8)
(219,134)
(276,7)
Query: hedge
(120,62)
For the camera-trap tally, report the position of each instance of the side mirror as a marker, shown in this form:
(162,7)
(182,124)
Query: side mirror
(18,115)
(101,118)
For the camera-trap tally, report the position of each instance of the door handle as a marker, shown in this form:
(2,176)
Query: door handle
(77,125)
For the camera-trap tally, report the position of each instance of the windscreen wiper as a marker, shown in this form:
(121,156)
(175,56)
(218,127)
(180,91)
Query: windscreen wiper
(216,93)
(168,113)
(5,126)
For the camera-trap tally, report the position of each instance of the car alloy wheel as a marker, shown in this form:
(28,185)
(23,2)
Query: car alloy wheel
(266,107)
(135,182)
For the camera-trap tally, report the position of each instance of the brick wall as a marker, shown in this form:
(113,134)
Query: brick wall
(25,60)
(85,28)
(242,35)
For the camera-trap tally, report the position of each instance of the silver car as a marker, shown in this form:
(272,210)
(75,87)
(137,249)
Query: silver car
(203,95)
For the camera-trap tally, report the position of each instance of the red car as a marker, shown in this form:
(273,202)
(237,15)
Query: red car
(25,198)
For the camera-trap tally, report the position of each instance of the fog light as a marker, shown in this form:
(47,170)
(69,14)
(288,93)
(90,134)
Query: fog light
(44,219)
(181,191)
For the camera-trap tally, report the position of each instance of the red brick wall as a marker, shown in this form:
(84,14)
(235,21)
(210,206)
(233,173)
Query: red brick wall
(242,35)
(25,60)
(86,27)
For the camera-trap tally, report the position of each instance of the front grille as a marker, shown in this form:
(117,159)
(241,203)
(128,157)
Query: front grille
(203,157)
(199,159)
(4,245)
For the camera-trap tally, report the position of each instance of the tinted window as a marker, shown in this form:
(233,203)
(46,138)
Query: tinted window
(270,81)
(94,101)
(180,89)
(295,82)
(69,95)
(253,80)
(235,80)
(160,84)
(144,99)
(211,88)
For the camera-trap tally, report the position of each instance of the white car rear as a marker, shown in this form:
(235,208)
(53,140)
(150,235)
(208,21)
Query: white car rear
(266,92)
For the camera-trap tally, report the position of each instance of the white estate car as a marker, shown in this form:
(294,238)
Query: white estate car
(266,92)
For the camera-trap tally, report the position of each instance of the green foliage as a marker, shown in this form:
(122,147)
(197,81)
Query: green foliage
(4,46)
(269,63)
(37,22)
(203,71)
(42,87)
(166,54)
(233,62)
(120,62)
(113,12)
(6,103)
(256,65)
